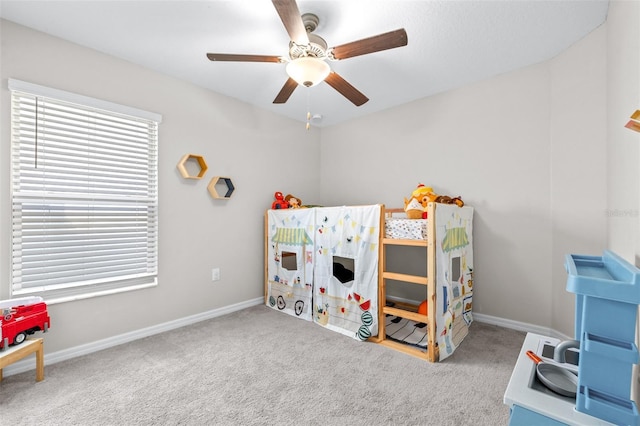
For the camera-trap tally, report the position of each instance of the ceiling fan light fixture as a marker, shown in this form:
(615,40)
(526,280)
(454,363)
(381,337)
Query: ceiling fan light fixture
(308,71)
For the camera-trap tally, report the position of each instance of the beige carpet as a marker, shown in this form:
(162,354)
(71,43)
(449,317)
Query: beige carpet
(261,367)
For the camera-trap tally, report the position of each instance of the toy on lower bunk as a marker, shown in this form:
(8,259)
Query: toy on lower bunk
(422,308)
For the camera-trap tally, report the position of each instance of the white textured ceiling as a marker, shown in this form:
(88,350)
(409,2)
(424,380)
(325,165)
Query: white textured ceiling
(451,43)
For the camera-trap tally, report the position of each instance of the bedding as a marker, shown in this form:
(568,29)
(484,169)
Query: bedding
(405,229)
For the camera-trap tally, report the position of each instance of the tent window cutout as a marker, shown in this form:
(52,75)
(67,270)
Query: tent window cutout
(456,272)
(289,261)
(343,269)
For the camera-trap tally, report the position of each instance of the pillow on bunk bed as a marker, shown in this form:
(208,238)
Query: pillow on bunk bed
(405,229)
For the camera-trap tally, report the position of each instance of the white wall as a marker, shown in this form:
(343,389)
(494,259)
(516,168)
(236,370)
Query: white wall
(623,84)
(511,148)
(578,135)
(534,151)
(257,149)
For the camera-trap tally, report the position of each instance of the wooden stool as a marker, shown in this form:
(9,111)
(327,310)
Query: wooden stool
(15,353)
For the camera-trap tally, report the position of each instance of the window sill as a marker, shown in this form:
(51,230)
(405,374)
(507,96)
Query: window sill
(54,300)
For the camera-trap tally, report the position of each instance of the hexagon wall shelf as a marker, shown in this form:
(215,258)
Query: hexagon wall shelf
(634,123)
(191,157)
(220,179)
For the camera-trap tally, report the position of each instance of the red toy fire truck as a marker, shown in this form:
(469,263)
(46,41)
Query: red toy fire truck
(20,317)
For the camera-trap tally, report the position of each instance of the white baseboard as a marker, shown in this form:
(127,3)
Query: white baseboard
(63,355)
(520,326)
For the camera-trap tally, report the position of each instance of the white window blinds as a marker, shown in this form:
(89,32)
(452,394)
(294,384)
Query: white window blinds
(84,192)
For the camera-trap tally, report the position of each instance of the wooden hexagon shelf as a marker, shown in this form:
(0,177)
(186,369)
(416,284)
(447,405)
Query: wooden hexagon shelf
(219,180)
(191,157)
(634,123)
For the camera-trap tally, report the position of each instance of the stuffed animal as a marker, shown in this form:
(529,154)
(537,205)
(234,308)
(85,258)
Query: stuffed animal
(416,206)
(445,199)
(280,202)
(413,208)
(294,202)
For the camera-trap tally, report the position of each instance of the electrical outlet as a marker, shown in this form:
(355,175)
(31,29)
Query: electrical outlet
(215,274)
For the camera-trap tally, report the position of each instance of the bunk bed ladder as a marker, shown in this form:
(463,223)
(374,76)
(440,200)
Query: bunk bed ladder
(404,310)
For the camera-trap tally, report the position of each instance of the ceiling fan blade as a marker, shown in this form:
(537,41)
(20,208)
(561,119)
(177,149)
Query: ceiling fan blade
(286,91)
(243,58)
(347,90)
(292,20)
(390,40)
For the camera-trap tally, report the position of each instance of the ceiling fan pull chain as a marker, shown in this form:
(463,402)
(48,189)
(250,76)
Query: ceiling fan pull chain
(308,125)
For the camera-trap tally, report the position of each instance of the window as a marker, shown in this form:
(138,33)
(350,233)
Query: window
(84,194)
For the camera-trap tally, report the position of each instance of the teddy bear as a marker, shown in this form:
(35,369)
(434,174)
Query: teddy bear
(415,207)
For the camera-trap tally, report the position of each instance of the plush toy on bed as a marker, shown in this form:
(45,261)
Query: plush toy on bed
(416,206)
(445,199)
(294,202)
(280,202)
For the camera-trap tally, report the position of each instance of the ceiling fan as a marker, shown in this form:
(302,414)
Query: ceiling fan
(308,52)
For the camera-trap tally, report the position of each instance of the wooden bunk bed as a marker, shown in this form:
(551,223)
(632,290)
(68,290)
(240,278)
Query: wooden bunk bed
(446,239)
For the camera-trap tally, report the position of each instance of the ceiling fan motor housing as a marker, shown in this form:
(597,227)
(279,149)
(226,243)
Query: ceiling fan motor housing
(316,48)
